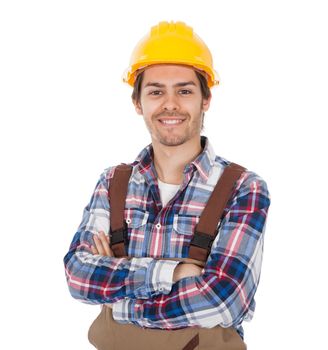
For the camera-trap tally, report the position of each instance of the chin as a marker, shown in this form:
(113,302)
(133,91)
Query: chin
(177,141)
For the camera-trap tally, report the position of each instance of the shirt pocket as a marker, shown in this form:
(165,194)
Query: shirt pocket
(185,225)
(181,235)
(136,221)
(135,218)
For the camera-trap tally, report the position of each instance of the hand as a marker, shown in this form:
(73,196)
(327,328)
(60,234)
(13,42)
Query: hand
(101,246)
(186,270)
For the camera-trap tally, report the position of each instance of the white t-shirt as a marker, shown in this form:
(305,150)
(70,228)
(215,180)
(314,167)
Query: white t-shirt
(167,191)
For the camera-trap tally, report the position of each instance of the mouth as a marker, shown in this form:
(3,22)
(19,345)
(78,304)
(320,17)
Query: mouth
(171,121)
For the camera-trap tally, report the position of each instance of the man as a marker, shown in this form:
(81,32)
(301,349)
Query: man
(171,181)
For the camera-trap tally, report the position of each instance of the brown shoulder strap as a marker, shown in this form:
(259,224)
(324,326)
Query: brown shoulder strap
(117,194)
(207,227)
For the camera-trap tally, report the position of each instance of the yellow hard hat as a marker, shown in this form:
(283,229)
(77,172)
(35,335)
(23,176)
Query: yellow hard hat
(175,43)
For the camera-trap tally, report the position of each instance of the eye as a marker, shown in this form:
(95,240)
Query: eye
(155,92)
(185,92)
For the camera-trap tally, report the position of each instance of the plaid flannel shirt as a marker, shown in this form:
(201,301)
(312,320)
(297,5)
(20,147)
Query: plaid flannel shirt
(141,286)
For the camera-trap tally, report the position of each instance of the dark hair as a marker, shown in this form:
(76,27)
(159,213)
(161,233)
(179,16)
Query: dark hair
(205,90)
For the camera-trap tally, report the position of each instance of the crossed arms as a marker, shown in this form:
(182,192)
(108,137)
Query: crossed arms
(165,294)
(102,247)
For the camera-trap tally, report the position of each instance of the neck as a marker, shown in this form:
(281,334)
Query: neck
(170,161)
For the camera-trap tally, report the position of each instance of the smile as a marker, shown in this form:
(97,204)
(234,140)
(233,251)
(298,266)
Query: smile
(171,121)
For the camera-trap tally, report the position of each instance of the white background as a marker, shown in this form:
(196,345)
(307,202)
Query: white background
(66,116)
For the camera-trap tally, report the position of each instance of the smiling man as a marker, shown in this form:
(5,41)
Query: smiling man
(177,105)
(173,240)
(173,108)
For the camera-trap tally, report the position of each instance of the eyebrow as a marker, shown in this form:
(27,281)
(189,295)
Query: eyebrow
(159,85)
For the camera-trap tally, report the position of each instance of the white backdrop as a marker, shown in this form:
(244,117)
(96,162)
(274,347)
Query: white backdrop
(66,116)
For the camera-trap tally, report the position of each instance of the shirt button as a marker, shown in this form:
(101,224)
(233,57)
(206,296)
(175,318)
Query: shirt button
(128,221)
(158,226)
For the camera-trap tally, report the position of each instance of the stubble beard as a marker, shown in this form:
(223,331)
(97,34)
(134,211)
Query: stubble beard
(177,140)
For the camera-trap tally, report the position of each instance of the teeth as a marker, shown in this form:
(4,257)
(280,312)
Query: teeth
(177,121)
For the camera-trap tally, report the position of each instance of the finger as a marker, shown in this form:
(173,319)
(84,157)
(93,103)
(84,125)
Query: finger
(110,249)
(99,245)
(105,243)
(103,234)
(94,250)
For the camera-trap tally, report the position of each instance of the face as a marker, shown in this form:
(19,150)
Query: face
(171,104)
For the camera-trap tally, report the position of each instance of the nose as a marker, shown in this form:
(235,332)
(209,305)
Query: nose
(170,102)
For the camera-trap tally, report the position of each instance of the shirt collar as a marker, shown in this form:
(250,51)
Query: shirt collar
(203,162)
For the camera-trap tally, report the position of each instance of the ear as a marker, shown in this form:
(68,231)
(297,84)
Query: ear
(206,103)
(137,106)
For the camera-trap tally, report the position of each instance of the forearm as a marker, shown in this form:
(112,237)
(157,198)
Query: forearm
(204,301)
(97,279)
(102,279)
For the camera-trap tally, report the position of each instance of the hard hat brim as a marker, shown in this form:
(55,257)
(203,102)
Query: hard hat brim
(131,73)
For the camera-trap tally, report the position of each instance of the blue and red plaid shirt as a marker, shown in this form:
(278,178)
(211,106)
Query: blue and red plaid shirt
(141,286)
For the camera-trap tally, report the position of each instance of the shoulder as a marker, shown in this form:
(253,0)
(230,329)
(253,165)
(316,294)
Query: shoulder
(248,179)
(108,173)
(249,187)
(251,192)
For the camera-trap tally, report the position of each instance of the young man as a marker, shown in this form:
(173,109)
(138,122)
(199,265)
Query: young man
(170,184)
